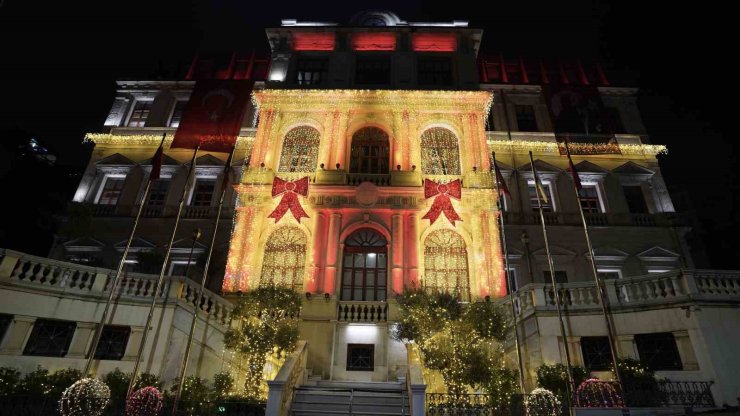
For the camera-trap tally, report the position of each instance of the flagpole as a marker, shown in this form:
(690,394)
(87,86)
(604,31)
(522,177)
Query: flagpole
(119,271)
(571,382)
(507,274)
(198,297)
(160,281)
(599,283)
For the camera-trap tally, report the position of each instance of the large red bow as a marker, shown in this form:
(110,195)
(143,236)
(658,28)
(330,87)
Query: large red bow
(290,192)
(442,203)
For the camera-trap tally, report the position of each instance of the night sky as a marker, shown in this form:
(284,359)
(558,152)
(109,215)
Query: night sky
(59,61)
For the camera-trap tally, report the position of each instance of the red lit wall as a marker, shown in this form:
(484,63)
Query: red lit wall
(314,41)
(434,42)
(374,42)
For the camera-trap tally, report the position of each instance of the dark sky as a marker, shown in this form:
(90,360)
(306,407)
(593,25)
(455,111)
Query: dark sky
(59,60)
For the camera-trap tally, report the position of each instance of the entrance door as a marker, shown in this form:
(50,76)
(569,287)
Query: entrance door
(365,266)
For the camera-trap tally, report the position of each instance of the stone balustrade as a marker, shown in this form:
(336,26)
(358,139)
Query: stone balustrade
(372,312)
(63,278)
(679,286)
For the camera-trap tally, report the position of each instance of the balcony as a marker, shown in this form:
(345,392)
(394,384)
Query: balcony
(675,287)
(664,219)
(157,211)
(366,312)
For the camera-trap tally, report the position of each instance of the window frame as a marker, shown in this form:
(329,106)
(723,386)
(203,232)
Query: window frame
(449,153)
(601,205)
(323,70)
(547,184)
(434,74)
(677,365)
(175,115)
(104,182)
(535,126)
(194,188)
(133,113)
(108,355)
(548,280)
(30,348)
(366,58)
(352,346)
(606,364)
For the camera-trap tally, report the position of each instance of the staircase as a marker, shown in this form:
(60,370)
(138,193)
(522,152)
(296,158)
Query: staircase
(351,398)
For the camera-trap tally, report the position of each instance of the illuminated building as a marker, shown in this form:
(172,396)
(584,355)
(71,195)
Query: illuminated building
(368,112)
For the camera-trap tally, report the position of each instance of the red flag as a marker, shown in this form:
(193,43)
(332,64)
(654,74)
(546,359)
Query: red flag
(572,168)
(213,116)
(157,162)
(500,178)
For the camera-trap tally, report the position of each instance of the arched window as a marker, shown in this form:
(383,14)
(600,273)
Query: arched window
(440,153)
(284,262)
(300,150)
(446,264)
(365,266)
(370,152)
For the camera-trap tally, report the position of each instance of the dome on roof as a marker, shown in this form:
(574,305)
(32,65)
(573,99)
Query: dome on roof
(375,18)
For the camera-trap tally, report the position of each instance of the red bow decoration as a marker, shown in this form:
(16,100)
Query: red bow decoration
(289,191)
(442,203)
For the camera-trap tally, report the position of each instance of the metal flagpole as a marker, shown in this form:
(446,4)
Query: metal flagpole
(196,236)
(119,271)
(160,281)
(194,319)
(599,283)
(509,279)
(571,382)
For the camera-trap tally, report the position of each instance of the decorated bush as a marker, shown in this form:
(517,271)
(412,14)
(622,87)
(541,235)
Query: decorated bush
(542,402)
(266,323)
(86,397)
(147,401)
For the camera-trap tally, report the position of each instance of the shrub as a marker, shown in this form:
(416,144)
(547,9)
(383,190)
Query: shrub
(555,378)
(10,380)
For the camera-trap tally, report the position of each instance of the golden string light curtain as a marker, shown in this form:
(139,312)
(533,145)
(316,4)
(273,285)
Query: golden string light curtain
(300,150)
(440,153)
(446,264)
(284,261)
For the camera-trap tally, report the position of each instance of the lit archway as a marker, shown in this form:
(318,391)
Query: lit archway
(370,151)
(446,264)
(300,150)
(440,152)
(284,262)
(365,266)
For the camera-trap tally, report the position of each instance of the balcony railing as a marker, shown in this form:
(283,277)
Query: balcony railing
(157,211)
(675,287)
(377,179)
(349,311)
(666,219)
(58,278)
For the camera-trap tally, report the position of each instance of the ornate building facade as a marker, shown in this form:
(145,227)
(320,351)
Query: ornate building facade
(367,113)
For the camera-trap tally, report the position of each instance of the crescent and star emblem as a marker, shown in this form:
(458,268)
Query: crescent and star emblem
(214,114)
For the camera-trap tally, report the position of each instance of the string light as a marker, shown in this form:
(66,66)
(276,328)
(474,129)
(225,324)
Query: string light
(583,148)
(596,393)
(243,143)
(542,402)
(147,401)
(86,397)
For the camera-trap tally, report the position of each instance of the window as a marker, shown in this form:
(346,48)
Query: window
(658,351)
(158,192)
(511,279)
(140,113)
(181,268)
(112,187)
(614,120)
(300,150)
(440,154)
(373,70)
(609,274)
(597,355)
(446,264)
(635,199)
(113,341)
(284,261)
(360,357)
(177,113)
(5,321)
(364,267)
(560,276)
(203,192)
(548,206)
(588,195)
(50,338)
(525,118)
(312,71)
(370,151)
(435,71)
(87,258)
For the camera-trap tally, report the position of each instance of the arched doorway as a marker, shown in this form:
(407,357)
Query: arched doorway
(370,151)
(446,264)
(365,266)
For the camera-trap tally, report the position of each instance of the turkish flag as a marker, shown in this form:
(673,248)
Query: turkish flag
(213,116)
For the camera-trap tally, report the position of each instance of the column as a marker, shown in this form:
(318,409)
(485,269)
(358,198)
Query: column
(16,335)
(317,258)
(411,241)
(397,252)
(332,248)
(82,340)
(340,138)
